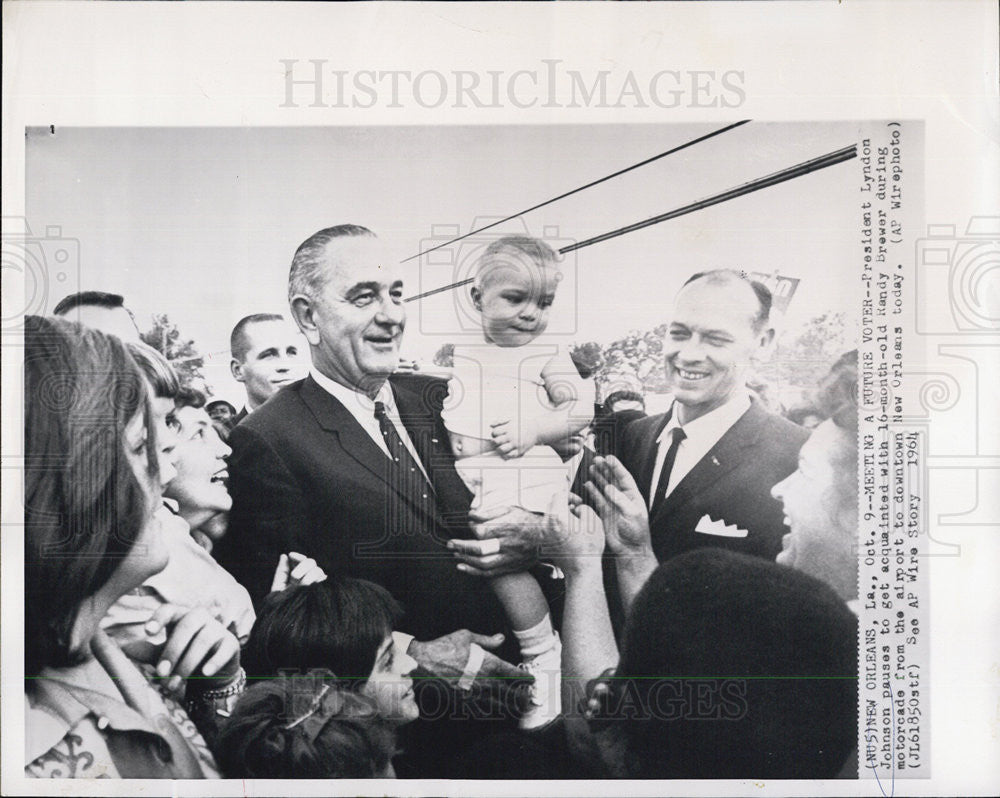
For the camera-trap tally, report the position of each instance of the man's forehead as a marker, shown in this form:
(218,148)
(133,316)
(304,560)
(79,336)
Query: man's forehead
(362,259)
(273,332)
(706,301)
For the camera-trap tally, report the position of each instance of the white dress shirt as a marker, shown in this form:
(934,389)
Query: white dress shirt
(702,434)
(362,407)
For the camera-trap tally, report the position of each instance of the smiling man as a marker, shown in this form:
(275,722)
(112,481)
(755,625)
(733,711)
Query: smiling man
(706,468)
(351,466)
(268,354)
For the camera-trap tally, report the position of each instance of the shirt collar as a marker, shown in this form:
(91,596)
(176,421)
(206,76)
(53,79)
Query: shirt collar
(353,399)
(715,422)
(62,697)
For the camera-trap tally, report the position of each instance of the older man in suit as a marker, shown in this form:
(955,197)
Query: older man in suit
(705,469)
(351,466)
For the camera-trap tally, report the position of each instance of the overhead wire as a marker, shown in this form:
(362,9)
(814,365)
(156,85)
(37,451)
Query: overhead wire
(773,179)
(584,187)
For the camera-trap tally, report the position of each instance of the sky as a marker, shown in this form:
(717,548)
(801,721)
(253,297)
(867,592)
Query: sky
(202,223)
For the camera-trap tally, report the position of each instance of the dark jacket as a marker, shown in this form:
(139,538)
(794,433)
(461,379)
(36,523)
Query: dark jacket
(732,483)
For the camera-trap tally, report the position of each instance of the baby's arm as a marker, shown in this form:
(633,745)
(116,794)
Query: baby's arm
(571,409)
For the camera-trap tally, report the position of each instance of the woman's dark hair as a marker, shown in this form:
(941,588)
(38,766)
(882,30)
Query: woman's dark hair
(837,394)
(337,625)
(736,667)
(83,505)
(304,728)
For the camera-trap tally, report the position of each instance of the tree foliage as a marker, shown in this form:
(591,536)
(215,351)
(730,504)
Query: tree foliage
(181,352)
(801,357)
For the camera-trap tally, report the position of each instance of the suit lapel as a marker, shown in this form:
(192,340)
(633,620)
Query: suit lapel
(333,417)
(430,441)
(650,430)
(722,458)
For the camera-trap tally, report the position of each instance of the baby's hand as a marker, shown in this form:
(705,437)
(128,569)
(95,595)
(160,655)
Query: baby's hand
(513,441)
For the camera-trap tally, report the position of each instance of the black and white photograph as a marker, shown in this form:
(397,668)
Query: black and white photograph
(512,453)
(518,480)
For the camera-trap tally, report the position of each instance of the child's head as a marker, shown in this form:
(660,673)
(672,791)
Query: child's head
(515,284)
(343,625)
(305,728)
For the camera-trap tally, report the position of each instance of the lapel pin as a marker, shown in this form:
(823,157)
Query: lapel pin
(715,461)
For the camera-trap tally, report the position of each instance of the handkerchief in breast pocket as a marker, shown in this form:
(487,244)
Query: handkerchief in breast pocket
(707,526)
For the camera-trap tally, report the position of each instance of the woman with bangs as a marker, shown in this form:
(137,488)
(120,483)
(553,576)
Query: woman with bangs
(92,485)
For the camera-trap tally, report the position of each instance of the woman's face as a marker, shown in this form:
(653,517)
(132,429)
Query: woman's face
(390,685)
(148,555)
(822,517)
(200,458)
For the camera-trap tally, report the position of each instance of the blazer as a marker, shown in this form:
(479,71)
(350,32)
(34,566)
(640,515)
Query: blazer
(305,477)
(731,484)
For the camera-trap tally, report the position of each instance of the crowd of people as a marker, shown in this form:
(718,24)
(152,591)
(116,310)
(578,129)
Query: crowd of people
(368,571)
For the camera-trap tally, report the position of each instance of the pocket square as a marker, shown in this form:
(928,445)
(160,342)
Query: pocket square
(707,526)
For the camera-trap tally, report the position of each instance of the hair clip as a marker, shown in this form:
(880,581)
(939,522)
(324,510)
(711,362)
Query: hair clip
(313,708)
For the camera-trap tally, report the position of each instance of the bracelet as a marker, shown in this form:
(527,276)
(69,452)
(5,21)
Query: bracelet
(225,692)
(226,695)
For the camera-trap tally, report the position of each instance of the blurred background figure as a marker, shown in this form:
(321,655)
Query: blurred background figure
(99,311)
(223,415)
(805,416)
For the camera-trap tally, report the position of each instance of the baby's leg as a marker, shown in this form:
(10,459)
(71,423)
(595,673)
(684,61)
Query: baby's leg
(541,653)
(522,600)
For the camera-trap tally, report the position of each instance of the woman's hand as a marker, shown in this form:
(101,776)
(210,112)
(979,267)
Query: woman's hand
(621,507)
(296,569)
(575,542)
(198,646)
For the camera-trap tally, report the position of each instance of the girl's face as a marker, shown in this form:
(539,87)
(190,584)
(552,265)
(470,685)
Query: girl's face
(390,685)
(148,555)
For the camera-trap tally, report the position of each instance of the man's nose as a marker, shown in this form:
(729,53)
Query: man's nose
(391,313)
(691,351)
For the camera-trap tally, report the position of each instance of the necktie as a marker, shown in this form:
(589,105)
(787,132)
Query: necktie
(677,435)
(405,475)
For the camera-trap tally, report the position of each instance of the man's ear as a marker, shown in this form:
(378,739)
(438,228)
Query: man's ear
(236,369)
(765,339)
(303,314)
(477,298)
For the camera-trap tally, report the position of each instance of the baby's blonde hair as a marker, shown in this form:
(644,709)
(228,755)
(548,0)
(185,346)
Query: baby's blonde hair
(522,249)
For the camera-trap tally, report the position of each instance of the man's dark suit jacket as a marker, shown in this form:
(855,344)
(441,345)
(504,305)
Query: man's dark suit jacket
(306,477)
(731,483)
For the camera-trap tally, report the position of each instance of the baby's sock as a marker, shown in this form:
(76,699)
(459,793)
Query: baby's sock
(538,639)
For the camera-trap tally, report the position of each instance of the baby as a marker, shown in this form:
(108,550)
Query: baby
(509,398)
